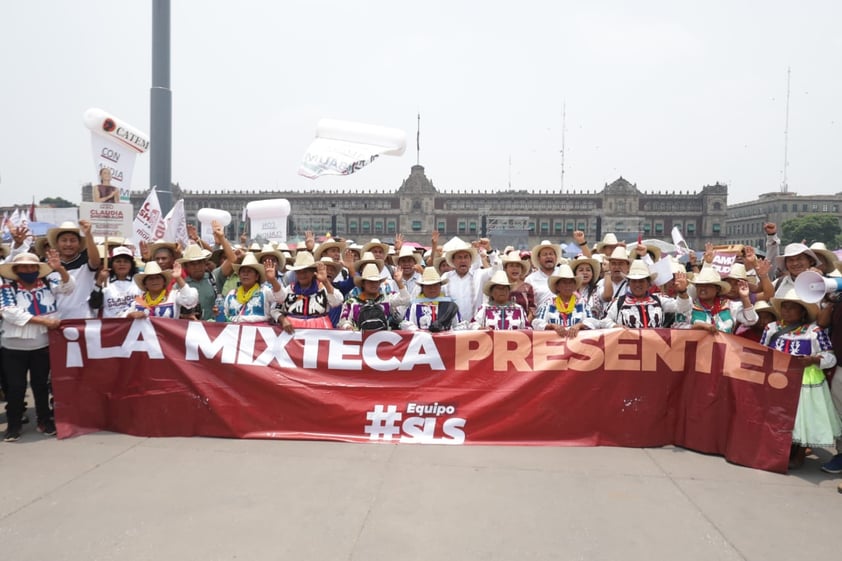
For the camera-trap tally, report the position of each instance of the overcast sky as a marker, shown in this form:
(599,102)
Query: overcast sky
(668,96)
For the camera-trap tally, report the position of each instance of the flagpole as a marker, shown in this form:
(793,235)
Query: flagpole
(418,141)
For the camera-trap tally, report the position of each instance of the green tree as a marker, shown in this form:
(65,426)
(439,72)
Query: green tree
(812,228)
(56,202)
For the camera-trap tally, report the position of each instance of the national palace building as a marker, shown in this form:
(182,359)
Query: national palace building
(518,217)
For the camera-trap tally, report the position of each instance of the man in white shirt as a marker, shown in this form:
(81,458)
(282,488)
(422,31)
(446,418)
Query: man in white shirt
(78,253)
(546,257)
(464,282)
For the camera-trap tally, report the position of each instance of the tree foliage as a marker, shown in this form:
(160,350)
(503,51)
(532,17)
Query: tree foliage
(56,202)
(812,228)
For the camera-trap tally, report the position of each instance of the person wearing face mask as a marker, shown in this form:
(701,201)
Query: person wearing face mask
(29,305)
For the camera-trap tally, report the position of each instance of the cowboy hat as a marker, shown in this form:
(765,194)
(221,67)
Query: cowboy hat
(370,272)
(161,244)
(7,269)
(619,254)
(764,306)
(269,249)
(564,272)
(738,271)
(194,253)
(303,260)
(376,243)
(250,262)
(431,276)
(335,265)
(708,276)
(608,239)
(820,249)
(152,268)
(408,251)
(324,246)
(514,257)
(68,226)
(543,245)
(367,259)
(499,278)
(640,270)
(448,255)
(594,264)
(792,296)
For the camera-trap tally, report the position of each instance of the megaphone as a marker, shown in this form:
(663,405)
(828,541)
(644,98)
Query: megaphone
(811,286)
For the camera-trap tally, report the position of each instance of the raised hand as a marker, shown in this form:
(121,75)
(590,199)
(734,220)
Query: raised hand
(53,259)
(398,242)
(321,272)
(85,227)
(19,234)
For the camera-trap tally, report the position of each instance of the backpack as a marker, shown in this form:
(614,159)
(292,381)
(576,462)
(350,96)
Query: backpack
(372,317)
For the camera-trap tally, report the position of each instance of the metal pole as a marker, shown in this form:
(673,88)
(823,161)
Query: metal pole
(160,160)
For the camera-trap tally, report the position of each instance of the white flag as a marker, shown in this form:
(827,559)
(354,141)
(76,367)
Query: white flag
(176,222)
(679,243)
(342,147)
(145,224)
(15,218)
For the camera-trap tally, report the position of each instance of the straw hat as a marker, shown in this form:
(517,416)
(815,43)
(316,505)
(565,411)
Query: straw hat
(367,259)
(194,253)
(335,265)
(619,254)
(499,278)
(41,245)
(514,257)
(595,265)
(738,271)
(543,245)
(431,276)
(639,270)
(792,296)
(152,268)
(324,246)
(448,255)
(820,249)
(7,269)
(608,239)
(369,272)
(54,233)
(564,272)
(255,247)
(375,243)
(269,249)
(708,276)
(408,251)
(764,306)
(161,244)
(303,260)
(792,250)
(250,261)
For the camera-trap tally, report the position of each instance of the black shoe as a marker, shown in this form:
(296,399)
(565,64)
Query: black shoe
(12,435)
(47,427)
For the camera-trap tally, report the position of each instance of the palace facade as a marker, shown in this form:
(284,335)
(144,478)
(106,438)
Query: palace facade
(509,217)
(745,220)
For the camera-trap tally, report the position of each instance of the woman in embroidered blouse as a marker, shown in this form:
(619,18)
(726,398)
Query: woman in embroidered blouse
(309,299)
(114,290)
(29,310)
(817,423)
(499,313)
(156,300)
(252,301)
(566,312)
(639,308)
(712,310)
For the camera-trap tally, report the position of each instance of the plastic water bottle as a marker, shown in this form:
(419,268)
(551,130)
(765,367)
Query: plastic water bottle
(219,304)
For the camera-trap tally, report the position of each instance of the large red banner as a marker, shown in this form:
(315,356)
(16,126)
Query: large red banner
(639,388)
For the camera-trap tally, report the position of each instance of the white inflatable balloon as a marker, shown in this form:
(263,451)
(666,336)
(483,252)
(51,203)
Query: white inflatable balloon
(208,215)
(109,126)
(269,219)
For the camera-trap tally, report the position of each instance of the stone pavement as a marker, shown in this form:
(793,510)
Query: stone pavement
(115,497)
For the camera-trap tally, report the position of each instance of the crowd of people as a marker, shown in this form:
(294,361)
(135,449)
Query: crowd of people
(456,285)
